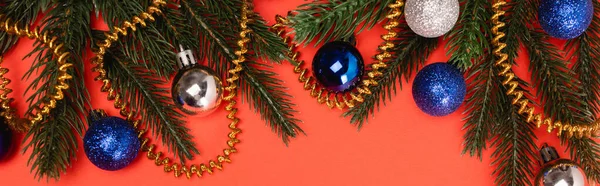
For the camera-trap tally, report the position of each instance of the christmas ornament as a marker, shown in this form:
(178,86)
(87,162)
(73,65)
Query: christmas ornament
(439,89)
(6,139)
(196,89)
(110,143)
(565,19)
(338,66)
(558,172)
(431,18)
(351,98)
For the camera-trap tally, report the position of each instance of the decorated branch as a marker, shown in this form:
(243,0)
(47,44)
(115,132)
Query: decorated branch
(213,49)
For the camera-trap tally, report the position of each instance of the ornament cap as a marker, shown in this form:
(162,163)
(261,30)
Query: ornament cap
(185,57)
(548,154)
(96,115)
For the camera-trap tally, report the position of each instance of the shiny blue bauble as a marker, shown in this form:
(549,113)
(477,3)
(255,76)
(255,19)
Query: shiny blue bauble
(111,143)
(6,139)
(338,66)
(565,19)
(439,89)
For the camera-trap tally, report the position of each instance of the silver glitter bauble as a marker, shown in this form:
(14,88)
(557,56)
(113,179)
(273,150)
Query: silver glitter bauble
(196,89)
(562,173)
(431,18)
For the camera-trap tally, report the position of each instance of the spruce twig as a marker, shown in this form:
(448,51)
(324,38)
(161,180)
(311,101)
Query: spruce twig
(325,21)
(54,140)
(259,84)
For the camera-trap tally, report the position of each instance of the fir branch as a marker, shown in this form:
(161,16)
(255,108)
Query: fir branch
(410,52)
(586,151)
(265,44)
(23,11)
(146,46)
(479,122)
(139,87)
(54,143)
(468,45)
(515,150)
(336,19)
(468,41)
(264,92)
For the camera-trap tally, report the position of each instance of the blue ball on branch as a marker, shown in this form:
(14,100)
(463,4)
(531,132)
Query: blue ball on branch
(439,89)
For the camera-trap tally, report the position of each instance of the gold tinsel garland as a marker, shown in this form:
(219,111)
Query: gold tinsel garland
(42,108)
(169,166)
(519,99)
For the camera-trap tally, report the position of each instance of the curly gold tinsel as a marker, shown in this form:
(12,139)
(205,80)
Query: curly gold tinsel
(157,157)
(44,107)
(348,99)
(519,100)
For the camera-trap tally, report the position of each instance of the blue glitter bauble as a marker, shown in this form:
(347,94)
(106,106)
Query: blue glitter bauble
(6,139)
(338,66)
(111,143)
(439,89)
(565,19)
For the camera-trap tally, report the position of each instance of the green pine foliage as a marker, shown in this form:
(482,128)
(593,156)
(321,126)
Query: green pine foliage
(259,84)
(54,141)
(586,54)
(468,45)
(323,21)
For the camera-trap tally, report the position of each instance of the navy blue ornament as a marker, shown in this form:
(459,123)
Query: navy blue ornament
(111,143)
(338,66)
(439,89)
(565,19)
(6,139)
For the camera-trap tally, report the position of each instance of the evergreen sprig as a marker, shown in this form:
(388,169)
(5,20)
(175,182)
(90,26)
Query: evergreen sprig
(584,49)
(468,41)
(23,11)
(323,21)
(259,85)
(468,45)
(410,52)
(54,140)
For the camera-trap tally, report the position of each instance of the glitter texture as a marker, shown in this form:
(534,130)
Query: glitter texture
(111,143)
(439,89)
(565,19)
(338,66)
(431,18)
(6,139)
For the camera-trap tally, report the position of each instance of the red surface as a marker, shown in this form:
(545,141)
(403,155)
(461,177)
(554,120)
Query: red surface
(399,146)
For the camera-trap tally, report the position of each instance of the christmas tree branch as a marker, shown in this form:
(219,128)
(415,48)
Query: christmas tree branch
(139,86)
(336,19)
(515,148)
(468,46)
(409,53)
(468,41)
(54,140)
(146,46)
(260,87)
(584,48)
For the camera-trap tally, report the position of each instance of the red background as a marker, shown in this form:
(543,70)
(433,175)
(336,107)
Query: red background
(399,146)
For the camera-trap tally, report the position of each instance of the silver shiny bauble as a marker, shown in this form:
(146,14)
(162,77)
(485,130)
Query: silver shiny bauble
(197,90)
(561,173)
(431,18)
